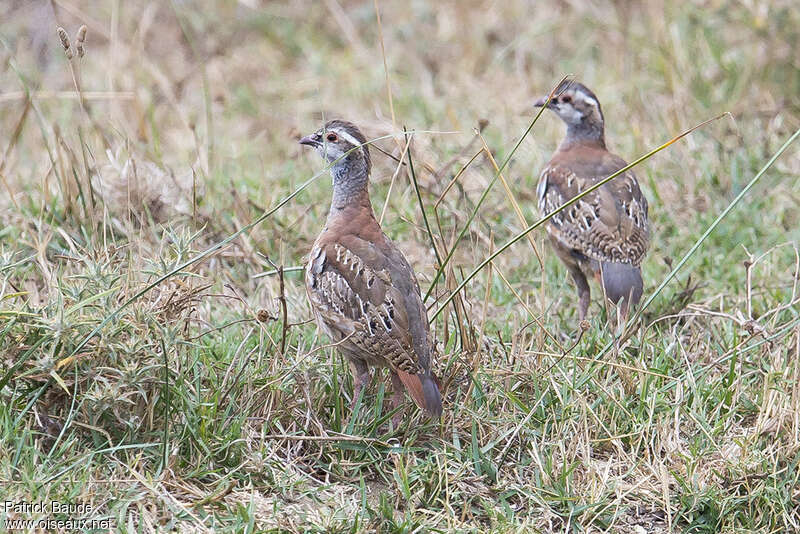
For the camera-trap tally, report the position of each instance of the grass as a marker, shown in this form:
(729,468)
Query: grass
(175,192)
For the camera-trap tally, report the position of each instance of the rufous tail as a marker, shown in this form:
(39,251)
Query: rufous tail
(424,391)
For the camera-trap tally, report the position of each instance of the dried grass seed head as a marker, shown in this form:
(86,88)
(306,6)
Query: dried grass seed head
(62,34)
(80,38)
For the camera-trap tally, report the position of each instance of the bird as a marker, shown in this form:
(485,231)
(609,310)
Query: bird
(605,234)
(363,292)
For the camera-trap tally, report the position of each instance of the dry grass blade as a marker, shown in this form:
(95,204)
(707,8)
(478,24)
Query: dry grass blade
(511,198)
(527,308)
(464,230)
(11,143)
(294,269)
(87,95)
(385,66)
(455,178)
(399,166)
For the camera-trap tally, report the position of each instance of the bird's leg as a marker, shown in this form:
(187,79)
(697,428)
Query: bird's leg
(398,397)
(360,379)
(584,294)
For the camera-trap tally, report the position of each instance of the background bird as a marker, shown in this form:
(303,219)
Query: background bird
(362,289)
(605,234)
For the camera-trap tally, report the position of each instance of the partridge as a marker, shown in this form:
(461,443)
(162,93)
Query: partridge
(605,234)
(362,289)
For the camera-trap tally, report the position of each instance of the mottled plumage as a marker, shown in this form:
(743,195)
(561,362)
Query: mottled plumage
(363,291)
(605,234)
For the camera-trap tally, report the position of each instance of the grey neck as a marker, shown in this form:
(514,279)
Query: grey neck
(350,184)
(584,133)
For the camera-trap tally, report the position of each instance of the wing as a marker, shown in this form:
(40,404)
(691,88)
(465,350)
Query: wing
(405,281)
(354,288)
(609,224)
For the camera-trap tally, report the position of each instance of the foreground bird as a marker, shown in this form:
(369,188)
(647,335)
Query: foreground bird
(363,291)
(605,234)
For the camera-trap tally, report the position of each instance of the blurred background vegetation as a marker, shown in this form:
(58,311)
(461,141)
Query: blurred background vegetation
(185,413)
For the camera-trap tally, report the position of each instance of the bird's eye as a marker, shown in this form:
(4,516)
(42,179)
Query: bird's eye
(331,137)
(566,99)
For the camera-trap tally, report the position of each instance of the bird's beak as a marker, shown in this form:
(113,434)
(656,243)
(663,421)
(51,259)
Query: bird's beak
(310,140)
(542,101)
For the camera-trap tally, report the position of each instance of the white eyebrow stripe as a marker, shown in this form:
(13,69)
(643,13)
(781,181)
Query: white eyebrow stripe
(586,98)
(347,137)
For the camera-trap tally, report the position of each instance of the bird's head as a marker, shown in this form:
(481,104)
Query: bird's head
(576,105)
(342,144)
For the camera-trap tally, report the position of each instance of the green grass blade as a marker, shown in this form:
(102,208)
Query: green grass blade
(421,205)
